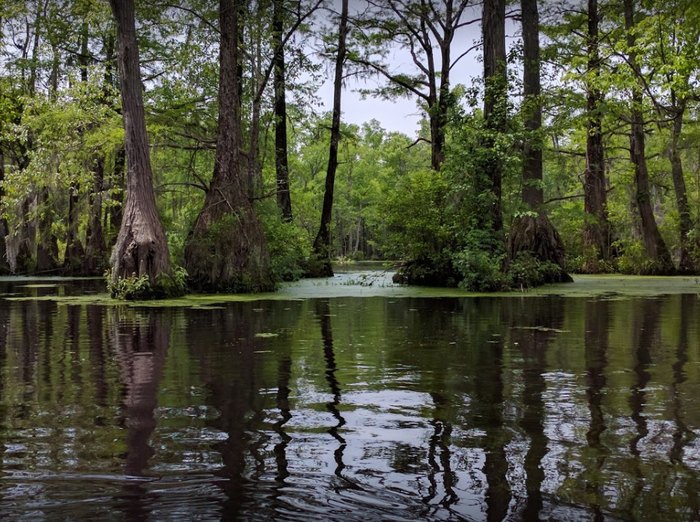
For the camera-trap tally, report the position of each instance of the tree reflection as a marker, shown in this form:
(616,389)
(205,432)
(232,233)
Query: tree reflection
(95,326)
(682,434)
(224,343)
(488,406)
(140,341)
(284,372)
(439,454)
(596,323)
(536,326)
(323,314)
(644,335)
(141,344)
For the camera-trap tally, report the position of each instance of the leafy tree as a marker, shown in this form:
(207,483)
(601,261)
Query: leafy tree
(141,250)
(226,250)
(532,233)
(320,263)
(653,241)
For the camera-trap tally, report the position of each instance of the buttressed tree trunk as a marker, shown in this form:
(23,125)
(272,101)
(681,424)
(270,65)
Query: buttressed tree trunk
(653,242)
(226,250)
(141,248)
(596,232)
(534,233)
(320,265)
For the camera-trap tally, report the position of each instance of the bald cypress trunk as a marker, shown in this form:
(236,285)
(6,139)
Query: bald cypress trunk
(141,248)
(534,233)
(495,109)
(685,221)
(284,201)
(4,229)
(596,232)
(320,265)
(226,250)
(654,244)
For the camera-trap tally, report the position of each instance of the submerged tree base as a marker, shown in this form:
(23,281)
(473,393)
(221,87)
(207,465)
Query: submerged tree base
(427,272)
(226,253)
(135,288)
(318,266)
(535,246)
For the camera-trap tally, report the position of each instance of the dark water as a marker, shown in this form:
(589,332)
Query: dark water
(351,409)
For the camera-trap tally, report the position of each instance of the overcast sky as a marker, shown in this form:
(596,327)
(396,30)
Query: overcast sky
(403,114)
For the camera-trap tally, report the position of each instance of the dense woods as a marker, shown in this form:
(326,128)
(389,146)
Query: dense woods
(183,143)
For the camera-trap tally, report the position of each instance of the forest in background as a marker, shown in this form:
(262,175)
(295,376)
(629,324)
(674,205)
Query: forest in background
(577,150)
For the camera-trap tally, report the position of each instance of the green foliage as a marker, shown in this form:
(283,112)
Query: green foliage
(480,270)
(135,288)
(526,271)
(633,258)
(479,262)
(287,244)
(415,213)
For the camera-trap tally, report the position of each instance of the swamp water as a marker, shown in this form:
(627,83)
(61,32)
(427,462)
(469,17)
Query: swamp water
(372,406)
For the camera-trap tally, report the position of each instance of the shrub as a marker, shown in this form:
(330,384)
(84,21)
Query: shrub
(526,271)
(288,246)
(135,288)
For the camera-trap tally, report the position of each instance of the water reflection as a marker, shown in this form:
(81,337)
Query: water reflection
(533,340)
(141,345)
(337,409)
(596,325)
(323,314)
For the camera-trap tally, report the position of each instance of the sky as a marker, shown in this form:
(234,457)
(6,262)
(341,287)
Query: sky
(403,114)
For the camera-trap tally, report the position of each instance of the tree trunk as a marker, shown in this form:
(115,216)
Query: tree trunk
(226,250)
(653,242)
(141,248)
(534,234)
(321,255)
(443,102)
(74,253)
(47,245)
(596,232)
(495,110)
(4,229)
(116,209)
(255,56)
(532,192)
(284,200)
(94,260)
(685,223)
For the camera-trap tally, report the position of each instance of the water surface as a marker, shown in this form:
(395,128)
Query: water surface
(350,408)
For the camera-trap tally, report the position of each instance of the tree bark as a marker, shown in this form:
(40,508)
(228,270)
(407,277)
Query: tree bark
(596,232)
(321,255)
(284,200)
(495,110)
(226,250)
(653,242)
(141,248)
